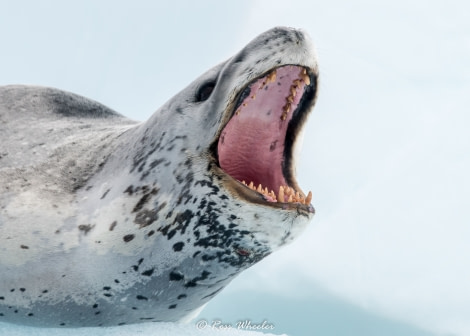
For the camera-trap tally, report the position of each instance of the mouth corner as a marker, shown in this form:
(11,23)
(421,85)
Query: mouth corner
(255,149)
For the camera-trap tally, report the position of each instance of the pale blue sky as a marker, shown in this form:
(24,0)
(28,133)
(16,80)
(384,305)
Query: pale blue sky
(385,152)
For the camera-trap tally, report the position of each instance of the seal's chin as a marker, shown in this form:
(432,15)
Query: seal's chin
(256,145)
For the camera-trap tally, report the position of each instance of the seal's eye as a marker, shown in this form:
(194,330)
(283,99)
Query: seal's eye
(205,91)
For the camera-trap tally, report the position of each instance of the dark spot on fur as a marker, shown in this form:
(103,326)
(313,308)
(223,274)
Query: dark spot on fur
(2,298)
(116,281)
(112,226)
(128,238)
(173,306)
(146,217)
(148,272)
(105,193)
(24,247)
(150,233)
(144,199)
(129,190)
(141,297)
(45,291)
(85,228)
(182,296)
(97,313)
(176,276)
(107,294)
(107,288)
(155,163)
(95,306)
(178,246)
(136,267)
(193,282)
(22,289)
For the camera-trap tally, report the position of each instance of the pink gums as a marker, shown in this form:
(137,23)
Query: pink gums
(251,146)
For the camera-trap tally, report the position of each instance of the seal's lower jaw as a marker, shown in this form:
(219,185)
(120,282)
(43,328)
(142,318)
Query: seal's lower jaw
(256,146)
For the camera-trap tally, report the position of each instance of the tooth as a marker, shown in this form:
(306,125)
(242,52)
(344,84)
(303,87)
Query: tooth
(290,99)
(253,97)
(306,79)
(297,82)
(244,182)
(244,104)
(281,194)
(273,195)
(251,185)
(309,198)
(286,107)
(260,188)
(273,75)
(286,190)
(290,199)
(266,191)
(303,72)
(293,92)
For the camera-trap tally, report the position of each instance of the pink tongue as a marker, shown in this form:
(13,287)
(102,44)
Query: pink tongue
(251,146)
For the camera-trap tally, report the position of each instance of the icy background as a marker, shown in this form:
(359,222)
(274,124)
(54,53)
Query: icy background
(386,152)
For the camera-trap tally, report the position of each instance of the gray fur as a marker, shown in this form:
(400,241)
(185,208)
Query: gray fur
(106,221)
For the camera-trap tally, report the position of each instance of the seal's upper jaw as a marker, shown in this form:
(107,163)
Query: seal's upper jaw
(255,147)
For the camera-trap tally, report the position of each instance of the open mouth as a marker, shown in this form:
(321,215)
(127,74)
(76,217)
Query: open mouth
(256,145)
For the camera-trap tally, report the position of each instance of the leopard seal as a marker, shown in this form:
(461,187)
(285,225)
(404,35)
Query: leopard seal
(108,221)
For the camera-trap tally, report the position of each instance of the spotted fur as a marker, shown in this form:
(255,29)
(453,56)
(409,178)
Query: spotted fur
(106,221)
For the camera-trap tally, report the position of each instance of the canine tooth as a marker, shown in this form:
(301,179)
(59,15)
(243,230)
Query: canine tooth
(309,198)
(281,194)
(306,79)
